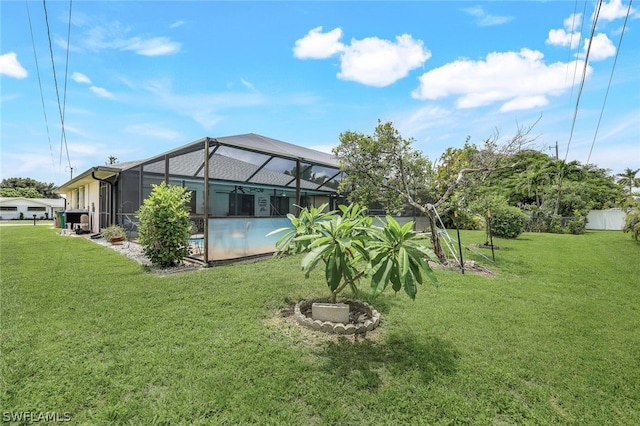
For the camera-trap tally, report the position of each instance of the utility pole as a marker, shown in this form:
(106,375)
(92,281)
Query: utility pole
(556,149)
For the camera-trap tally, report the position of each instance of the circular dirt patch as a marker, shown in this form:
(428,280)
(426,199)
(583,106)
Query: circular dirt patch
(362,317)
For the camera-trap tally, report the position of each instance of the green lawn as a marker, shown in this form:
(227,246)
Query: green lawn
(552,338)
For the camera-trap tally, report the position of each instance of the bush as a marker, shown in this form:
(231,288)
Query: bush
(507,222)
(632,223)
(474,222)
(165,224)
(577,223)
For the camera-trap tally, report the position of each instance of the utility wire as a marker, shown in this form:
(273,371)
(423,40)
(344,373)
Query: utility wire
(55,80)
(66,73)
(44,110)
(573,21)
(615,60)
(584,74)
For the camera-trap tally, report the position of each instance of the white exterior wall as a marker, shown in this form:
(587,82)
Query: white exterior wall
(23,204)
(92,195)
(86,197)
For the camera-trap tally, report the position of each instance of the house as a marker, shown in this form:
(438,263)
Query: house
(242,187)
(12,208)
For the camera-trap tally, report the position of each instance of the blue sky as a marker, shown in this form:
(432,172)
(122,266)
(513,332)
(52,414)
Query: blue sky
(144,77)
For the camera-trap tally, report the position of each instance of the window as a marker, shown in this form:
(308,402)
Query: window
(279,206)
(81,200)
(241,205)
(36,209)
(8,209)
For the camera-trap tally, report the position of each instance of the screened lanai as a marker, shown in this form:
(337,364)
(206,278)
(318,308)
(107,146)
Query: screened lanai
(242,188)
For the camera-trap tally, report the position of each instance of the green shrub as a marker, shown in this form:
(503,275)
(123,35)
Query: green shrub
(165,224)
(577,223)
(632,223)
(474,222)
(507,222)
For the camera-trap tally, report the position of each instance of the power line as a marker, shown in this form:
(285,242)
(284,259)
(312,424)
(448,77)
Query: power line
(44,110)
(55,80)
(583,78)
(615,60)
(573,21)
(66,73)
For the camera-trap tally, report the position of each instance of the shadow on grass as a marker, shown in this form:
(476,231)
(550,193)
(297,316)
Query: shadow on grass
(366,364)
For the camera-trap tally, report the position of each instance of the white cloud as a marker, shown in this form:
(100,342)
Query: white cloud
(204,108)
(562,38)
(318,45)
(102,92)
(572,23)
(114,35)
(177,24)
(524,102)
(601,47)
(78,77)
(423,119)
(485,19)
(152,47)
(517,80)
(370,61)
(376,62)
(154,130)
(10,66)
(613,10)
(568,36)
(247,84)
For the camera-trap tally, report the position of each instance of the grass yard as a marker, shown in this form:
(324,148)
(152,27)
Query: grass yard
(552,338)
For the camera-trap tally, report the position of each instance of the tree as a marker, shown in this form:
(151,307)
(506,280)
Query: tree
(165,224)
(26,186)
(111,160)
(385,168)
(628,179)
(20,192)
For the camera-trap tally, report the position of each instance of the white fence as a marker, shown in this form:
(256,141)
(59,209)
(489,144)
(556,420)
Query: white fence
(606,220)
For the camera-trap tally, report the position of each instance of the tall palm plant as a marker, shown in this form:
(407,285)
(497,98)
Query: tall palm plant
(628,179)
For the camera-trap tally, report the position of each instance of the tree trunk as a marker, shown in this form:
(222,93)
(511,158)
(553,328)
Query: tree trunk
(435,238)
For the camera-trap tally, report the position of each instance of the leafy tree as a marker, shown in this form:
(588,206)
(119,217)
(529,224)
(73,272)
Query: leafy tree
(20,192)
(165,224)
(385,168)
(24,187)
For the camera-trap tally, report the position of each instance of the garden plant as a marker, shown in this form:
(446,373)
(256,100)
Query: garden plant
(351,247)
(165,224)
